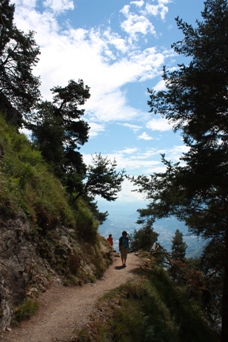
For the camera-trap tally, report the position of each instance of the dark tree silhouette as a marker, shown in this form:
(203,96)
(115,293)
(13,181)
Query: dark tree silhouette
(59,132)
(196,102)
(18,55)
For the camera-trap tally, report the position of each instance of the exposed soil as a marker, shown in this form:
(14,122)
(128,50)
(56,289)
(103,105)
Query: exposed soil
(64,309)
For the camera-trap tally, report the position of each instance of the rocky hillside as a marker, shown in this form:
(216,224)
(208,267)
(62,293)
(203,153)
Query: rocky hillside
(42,238)
(26,270)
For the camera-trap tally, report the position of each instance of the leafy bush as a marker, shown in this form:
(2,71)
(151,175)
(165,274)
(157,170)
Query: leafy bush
(143,239)
(24,311)
(148,308)
(86,225)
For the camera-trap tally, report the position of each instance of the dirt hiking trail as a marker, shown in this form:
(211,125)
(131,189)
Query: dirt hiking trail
(64,309)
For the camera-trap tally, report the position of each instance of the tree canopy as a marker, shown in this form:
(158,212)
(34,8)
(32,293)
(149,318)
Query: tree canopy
(59,131)
(102,178)
(18,55)
(143,239)
(195,101)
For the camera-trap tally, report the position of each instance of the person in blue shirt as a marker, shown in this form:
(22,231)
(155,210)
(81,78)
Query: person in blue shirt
(123,247)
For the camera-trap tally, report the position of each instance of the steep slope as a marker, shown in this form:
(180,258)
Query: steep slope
(43,239)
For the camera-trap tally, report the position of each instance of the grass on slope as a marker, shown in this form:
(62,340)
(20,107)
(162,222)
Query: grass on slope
(148,308)
(27,184)
(29,189)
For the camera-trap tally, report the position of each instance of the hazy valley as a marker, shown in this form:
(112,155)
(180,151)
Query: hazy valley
(124,217)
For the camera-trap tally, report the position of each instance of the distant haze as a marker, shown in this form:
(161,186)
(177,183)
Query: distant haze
(120,219)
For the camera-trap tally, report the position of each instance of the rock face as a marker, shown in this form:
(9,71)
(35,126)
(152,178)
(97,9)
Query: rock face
(18,262)
(24,271)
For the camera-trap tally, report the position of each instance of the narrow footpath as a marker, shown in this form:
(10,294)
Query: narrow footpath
(64,309)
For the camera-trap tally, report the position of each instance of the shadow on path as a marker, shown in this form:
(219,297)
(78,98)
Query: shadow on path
(119,267)
(63,309)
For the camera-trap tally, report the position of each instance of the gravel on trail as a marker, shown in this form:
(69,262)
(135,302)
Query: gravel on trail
(64,309)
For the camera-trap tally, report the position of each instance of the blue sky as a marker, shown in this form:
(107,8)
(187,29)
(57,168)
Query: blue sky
(118,48)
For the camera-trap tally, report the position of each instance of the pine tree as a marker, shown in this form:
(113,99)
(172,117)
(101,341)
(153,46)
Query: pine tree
(59,131)
(178,246)
(143,238)
(195,101)
(18,55)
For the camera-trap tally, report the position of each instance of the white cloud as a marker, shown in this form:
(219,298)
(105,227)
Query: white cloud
(101,57)
(128,195)
(149,153)
(107,61)
(95,129)
(135,24)
(108,107)
(138,3)
(160,124)
(134,128)
(59,5)
(130,150)
(116,41)
(44,24)
(134,161)
(160,86)
(141,164)
(144,136)
(25,3)
(158,10)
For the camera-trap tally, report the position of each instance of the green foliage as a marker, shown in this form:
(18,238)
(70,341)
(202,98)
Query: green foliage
(102,178)
(83,335)
(48,136)
(148,308)
(187,316)
(196,101)
(178,246)
(143,239)
(59,131)
(64,231)
(75,260)
(18,56)
(142,316)
(86,225)
(27,183)
(99,216)
(25,310)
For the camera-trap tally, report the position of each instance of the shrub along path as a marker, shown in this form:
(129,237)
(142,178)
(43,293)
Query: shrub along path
(64,309)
